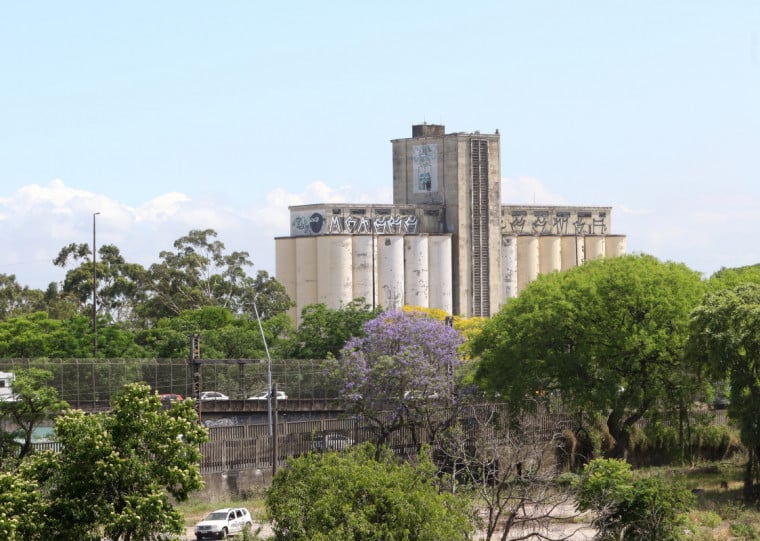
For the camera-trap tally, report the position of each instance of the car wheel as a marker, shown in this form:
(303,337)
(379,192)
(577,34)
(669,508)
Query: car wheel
(224,533)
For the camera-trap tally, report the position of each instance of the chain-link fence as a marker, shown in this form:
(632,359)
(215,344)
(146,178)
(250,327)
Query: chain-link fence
(95,380)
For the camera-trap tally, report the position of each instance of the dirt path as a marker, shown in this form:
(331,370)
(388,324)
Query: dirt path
(572,530)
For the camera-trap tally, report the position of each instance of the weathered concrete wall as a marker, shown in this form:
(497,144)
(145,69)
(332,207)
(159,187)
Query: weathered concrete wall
(227,486)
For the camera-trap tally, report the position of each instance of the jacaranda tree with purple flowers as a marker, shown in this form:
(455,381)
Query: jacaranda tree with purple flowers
(400,372)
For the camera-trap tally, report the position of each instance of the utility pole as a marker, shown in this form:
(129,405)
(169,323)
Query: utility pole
(269,369)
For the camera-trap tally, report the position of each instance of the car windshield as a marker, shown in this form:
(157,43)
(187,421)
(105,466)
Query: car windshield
(216,515)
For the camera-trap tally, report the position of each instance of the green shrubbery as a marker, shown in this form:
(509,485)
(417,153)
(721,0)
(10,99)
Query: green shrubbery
(656,444)
(630,508)
(353,496)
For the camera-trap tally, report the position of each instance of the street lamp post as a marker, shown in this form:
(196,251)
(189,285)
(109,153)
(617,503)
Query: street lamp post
(94,290)
(269,369)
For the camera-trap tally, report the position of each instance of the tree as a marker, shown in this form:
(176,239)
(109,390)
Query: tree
(34,403)
(115,471)
(198,273)
(270,296)
(725,338)
(16,300)
(728,278)
(19,502)
(324,331)
(38,335)
(629,508)
(375,500)
(120,285)
(223,335)
(512,477)
(469,327)
(195,274)
(400,372)
(606,337)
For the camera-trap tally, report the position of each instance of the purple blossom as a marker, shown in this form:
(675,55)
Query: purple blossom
(400,354)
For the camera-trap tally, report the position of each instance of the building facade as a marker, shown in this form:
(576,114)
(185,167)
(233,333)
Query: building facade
(446,242)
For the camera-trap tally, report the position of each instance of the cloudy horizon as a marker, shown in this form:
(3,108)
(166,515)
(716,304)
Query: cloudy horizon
(40,219)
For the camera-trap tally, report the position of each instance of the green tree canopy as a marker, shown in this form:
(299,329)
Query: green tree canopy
(607,337)
(727,278)
(37,335)
(199,272)
(116,471)
(725,338)
(16,300)
(355,497)
(120,284)
(324,331)
(223,335)
(34,402)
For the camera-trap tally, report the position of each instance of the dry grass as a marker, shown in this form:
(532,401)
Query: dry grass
(720,513)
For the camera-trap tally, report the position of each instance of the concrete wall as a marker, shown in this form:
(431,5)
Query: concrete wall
(225,486)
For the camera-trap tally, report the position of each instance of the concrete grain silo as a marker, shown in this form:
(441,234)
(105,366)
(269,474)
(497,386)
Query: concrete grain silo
(528,260)
(364,257)
(550,254)
(390,265)
(440,278)
(416,271)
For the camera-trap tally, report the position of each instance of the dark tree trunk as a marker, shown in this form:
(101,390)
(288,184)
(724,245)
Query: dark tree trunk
(752,476)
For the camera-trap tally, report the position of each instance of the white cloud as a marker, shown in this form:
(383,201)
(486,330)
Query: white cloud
(38,220)
(528,191)
(704,231)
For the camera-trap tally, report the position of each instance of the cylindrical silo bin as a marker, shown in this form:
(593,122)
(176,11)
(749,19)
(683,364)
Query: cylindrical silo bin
(594,247)
(390,253)
(324,244)
(306,272)
(416,271)
(527,260)
(550,254)
(365,283)
(614,246)
(440,276)
(572,251)
(338,279)
(508,267)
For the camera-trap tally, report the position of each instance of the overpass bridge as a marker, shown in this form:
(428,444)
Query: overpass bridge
(236,411)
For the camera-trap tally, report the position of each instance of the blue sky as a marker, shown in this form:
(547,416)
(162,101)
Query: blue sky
(170,116)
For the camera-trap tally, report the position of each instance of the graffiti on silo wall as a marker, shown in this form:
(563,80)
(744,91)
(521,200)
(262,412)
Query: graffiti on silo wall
(520,220)
(318,223)
(425,168)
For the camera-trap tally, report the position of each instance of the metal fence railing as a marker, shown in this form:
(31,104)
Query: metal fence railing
(96,380)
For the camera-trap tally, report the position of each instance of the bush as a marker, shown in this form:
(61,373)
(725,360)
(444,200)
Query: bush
(656,444)
(715,442)
(642,509)
(353,496)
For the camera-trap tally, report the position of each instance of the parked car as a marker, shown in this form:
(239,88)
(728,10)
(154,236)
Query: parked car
(331,441)
(264,395)
(168,398)
(419,395)
(213,395)
(223,522)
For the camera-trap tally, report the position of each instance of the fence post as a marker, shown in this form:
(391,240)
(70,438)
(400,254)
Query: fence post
(275,430)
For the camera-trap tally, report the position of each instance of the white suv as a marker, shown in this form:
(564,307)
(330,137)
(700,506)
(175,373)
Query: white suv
(223,522)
